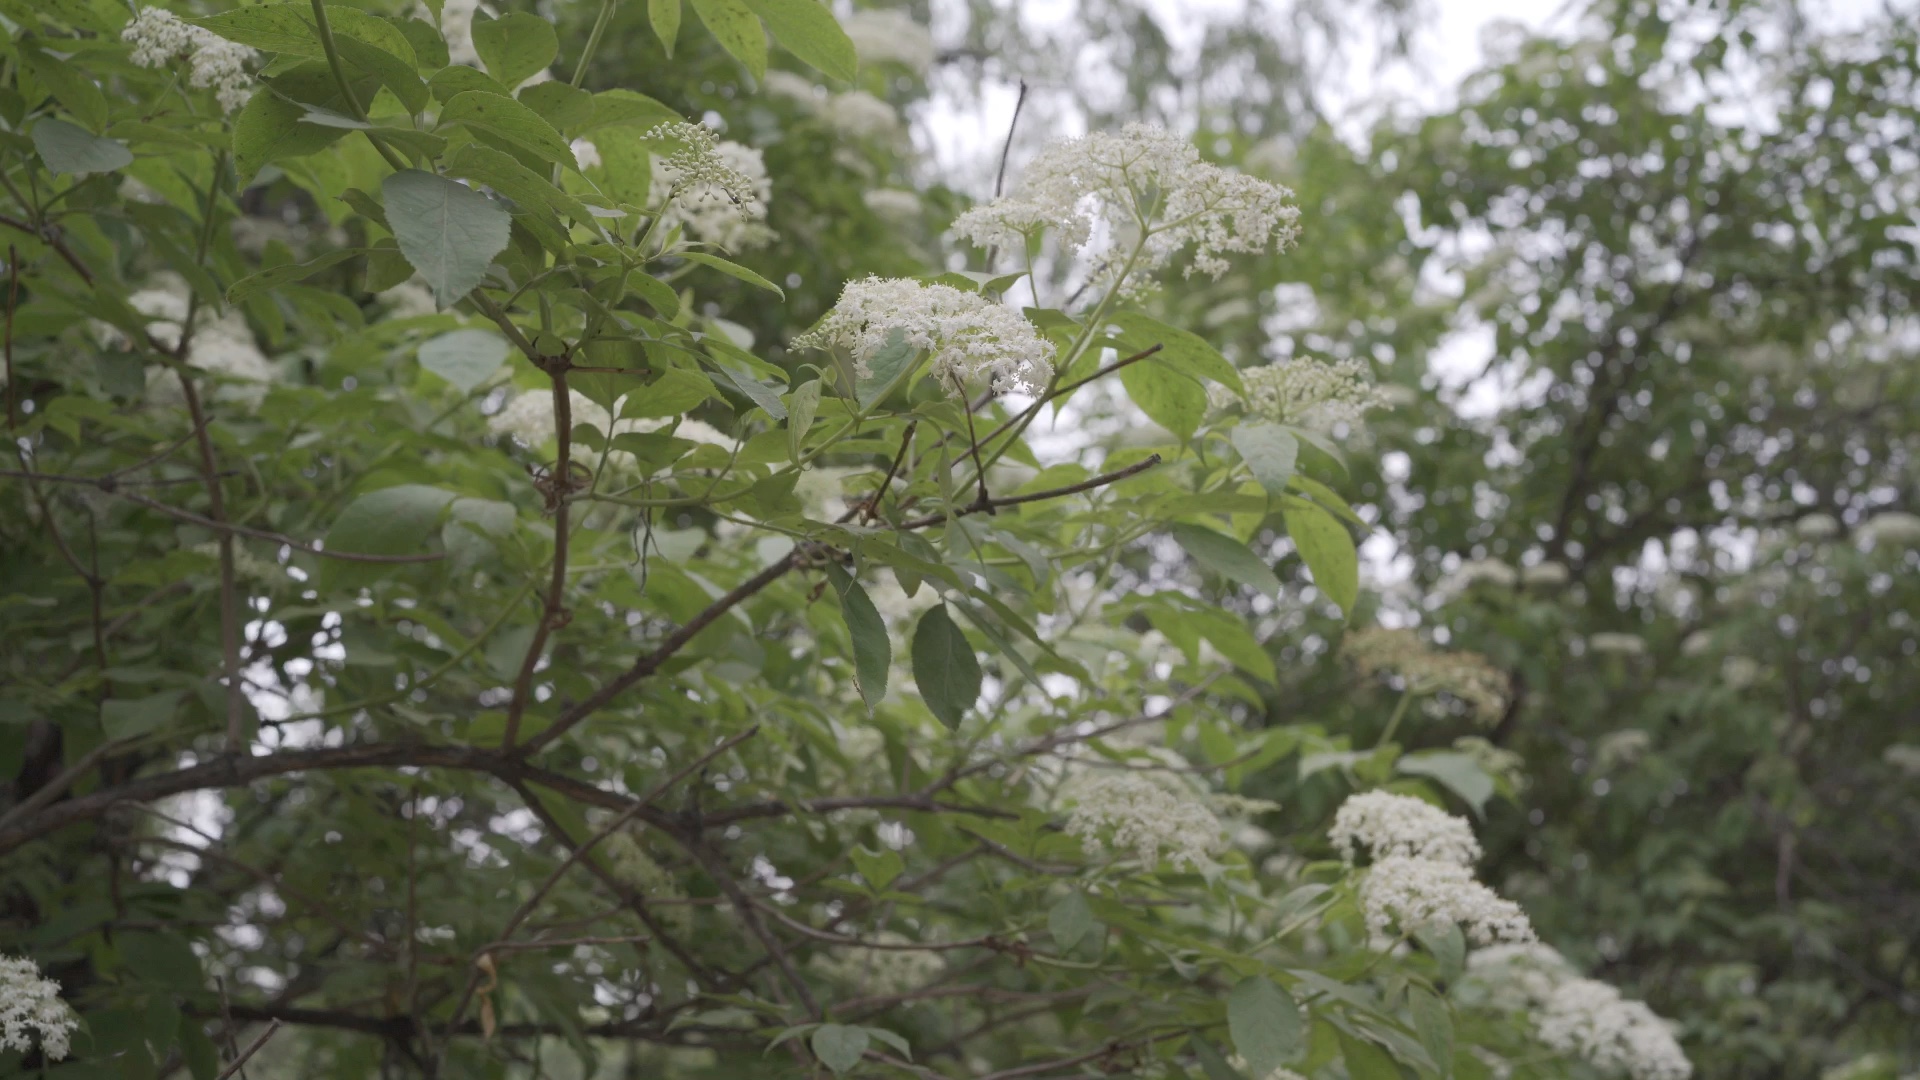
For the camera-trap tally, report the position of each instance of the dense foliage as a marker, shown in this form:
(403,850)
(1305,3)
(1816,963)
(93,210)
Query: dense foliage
(538,544)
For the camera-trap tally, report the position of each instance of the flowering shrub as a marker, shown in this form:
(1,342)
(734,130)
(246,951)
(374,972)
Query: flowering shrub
(471,597)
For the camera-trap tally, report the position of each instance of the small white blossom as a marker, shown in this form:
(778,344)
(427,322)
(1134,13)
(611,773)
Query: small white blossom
(159,37)
(1698,643)
(1416,894)
(528,417)
(890,36)
(1546,575)
(30,1004)
(1891,529)
(1307,393)
(1143,817)
(973,340)
(893,205)
(786,84)
(859,115)
(879,971)
(1390,825)
(1475,572)
(1903,756)
(1816,527)
(717,190)
(585,153)
(1621,748)
(1590,1019)
(1617,644)
(408,300)
(1145,186)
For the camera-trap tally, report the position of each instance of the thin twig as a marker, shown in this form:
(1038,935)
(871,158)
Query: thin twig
(554,614)
(871,508)
(252,1049)
(1100,481)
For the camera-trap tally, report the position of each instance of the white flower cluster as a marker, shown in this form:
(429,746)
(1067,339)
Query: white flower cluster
(1145,817)
(1615,644)
(1546,575)
(30,1004)
(973,340)
(1307,393)
(880,971)
(1572,1015)
(717,189)
(1144,185)
(1418,893)
(223,346)
(1422,872)
(630,864)
(1390,825)
(529,419)
(1891,529)
(896,206)
(1468,676)
(859,115)
(1478,572)
(890,36)
(158,37)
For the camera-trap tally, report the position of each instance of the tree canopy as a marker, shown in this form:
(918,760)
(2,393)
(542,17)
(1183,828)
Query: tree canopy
(539,541)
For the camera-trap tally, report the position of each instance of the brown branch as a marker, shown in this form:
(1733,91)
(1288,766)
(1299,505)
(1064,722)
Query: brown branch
(13,298)
(252,1048)
(1100,481)
(555,614)
(871,507)
(50,236)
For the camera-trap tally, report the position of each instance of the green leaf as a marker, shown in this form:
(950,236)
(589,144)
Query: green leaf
(809,31)
(872,652)
(1229,634)
(274,28)
(449,83)
(1270,453)
(878,868)
(514,46)
(1366,1061)
(1069,920)
(1172,400)
(1227,557)
(394,71)
(269,127)
(944,667)
(390,521)
(1327,548)
(672,394)
(802,404)
(1185,352)
(253,284)
(664,15)
(165,959)
(449,232)
(69,85)
(838,1046)
(756,391)
(466,358)
(567,108)
(505,119)
(895,1041)
(1460,773)
(1212,1064)
(886,365)
(124,718)
(1432,1022)
(538,201)
(1449,948)
(626,107)
(733,270)
(71,150)
(1265,1024)
(734,25)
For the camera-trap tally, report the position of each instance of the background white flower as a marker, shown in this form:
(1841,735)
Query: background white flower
(31,1005)
(1142,816)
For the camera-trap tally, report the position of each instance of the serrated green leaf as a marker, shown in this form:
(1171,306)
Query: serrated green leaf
(1327,548)
(514,46)
(872,651)
(809,31)
(1459,773)
(254,284)
(1069,920)
(732,270)
(1265,1024)
(1227,557)
(69,85)
(449,232)
(71,150)
(838,1046)
(1270,453)
(1182,350)
(1169,398)
(466,358)
(944,667)
(509,121)
(734,25)
(391,521)
(125,718)
(802,404)
(664,16)
(879,868)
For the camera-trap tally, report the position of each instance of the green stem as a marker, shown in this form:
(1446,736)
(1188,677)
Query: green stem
(325,30)
(600,23)
(1399,711)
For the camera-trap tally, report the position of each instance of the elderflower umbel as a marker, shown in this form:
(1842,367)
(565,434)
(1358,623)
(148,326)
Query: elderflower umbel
(1391,825)
(880,971)
(1308,393)
(30,1004)
(717,189)
(859,115)
(1476,572)
(1591,1020)
(1416,894)
(1891,529)
(1144,817)
(1145,186)
(1468,676)
(158,37)
(973,340)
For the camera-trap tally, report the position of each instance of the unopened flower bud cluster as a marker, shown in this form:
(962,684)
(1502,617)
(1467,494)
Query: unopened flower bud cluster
(1468,676)
(1313,394)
